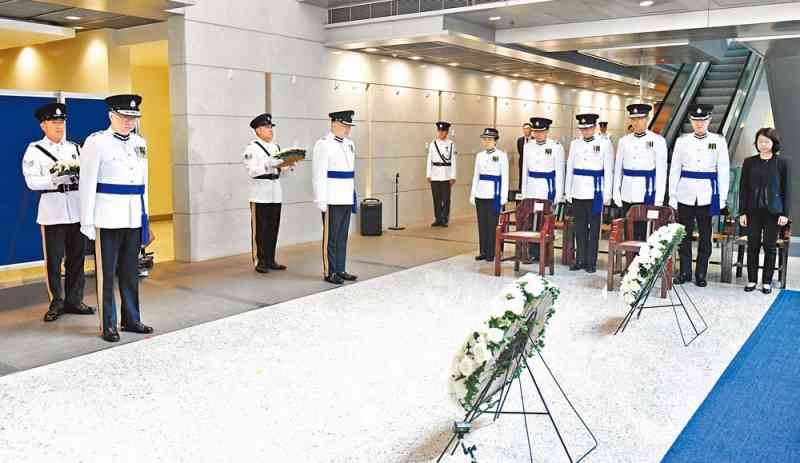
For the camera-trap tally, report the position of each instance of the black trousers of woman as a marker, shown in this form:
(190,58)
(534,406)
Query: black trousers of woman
(762,231)
(487,226)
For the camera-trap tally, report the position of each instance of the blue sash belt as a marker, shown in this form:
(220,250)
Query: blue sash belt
(649,183)
(497,180)
(597,201)
(131,190)
(712,176)
(551,182)
(346,175)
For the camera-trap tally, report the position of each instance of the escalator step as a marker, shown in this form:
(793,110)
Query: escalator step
(712,75)
(713,100)
(733,60)
(717,91)
(721,83)
(738,68)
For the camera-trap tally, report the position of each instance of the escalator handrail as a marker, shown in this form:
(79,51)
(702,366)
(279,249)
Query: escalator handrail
(687,97)
(666,95)
(727,129)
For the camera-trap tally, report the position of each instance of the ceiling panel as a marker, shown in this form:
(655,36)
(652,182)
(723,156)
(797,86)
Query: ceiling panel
(17,9)
(93,14)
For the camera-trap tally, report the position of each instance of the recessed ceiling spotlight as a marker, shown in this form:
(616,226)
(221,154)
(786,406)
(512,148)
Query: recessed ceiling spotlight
(495,18)
(646,3)
(452,64)
(78,28)
(416,58)
(371,50)
(562,83)
(515,75)
(72,18)
(337,52)
(487,77)
(384,60)
(540,79)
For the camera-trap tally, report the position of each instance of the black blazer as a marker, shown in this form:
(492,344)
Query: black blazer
(520,146)
(748,189)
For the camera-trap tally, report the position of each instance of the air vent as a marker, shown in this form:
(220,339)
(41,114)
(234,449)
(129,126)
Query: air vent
(382,9)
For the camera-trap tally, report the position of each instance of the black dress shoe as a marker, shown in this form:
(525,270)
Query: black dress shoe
(701,282)
(750,288)
(52,314)
(347,277)
(262,269)
(575,267)
(110,335)
(444,225)
(681,279)
(766,289)
(137,327)
(480,257)
(591,269)
(82,309)
(334,279)
(276,266)
(436,224)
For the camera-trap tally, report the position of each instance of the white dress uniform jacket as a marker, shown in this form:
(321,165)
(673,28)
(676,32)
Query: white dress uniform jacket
(108,159)
(646,152)
(258,159)
(707,154)
(333,154)
(594,154)
(54,208)
(545,157)
(490,163)
(446,154)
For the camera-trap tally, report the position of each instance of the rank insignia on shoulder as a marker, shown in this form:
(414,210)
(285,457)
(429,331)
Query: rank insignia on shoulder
(596,148)
(650,144)
(548,151)
(141,151)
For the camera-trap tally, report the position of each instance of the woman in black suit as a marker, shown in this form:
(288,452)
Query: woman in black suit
(763,205)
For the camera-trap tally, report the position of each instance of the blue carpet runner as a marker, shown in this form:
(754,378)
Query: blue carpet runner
(753,412)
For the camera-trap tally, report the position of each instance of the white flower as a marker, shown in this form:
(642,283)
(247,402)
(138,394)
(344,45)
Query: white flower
(481,354)
(513,299)
(494,335)
(467,366)
(459,388)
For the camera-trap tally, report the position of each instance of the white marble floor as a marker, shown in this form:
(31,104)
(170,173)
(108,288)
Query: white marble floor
(359,374)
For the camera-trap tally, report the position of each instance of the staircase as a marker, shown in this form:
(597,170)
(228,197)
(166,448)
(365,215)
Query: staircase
(719,86)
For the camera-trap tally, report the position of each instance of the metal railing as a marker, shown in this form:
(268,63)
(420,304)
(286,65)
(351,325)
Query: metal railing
(385,8)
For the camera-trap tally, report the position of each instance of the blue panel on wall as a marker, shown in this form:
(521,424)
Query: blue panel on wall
(85,117)
(20,238)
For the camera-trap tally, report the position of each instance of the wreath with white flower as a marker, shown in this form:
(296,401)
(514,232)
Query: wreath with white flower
(658,248)
(66,167)
(511,321)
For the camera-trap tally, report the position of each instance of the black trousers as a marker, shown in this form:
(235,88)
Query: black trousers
(441,200)
(64,243)
(639,228)
(265,222)
(336,226)
(762,231)
(487,226)
(688,216)
(587,232)
(117,254)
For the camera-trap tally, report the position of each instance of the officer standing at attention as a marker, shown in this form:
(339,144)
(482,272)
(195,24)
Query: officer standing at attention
(59,212)
(698,188)
(590,173)
(333,166)
(543,167)
(640,171)
(113,192)
(489,190)
(604,132)
(265,193)
(521,142)
(441,172)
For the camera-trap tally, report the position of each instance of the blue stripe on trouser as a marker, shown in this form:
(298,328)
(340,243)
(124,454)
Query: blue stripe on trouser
(114,189)
(597,201)
(650,183)
(551,182)
(346,175)
(497,180)
(712,176)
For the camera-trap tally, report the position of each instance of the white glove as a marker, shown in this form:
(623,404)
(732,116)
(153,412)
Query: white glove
(673,203)
(88,232)
(61,179)
(321,206)
(472,201)
(617,202)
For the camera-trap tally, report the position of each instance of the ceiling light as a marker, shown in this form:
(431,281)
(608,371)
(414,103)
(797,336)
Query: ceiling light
(72,18)
(766,37)
(383,60)
(416,58)
(78,28)
(487,77)
(561,83)
(540,79)
(371,50)
(646,3)
(336,52)
(495,18)
(515,75)
(452,64)
(423,66)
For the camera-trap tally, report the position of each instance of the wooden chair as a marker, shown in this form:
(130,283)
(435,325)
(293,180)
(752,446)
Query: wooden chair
(530,215)
(739,243)
(566,223)
(655,217)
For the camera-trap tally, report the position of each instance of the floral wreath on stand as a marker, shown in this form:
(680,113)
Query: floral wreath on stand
(652,254)
(480,355)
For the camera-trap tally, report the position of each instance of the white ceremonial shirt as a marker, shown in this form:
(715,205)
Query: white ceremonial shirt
(493,162)
(110,160)
(333,154)
(706,154)
(258,160)
(545,157)
(446,154)
(54,207)
(593,154)
(646,152)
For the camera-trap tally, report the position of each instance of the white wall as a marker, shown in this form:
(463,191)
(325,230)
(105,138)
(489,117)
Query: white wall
(220,55)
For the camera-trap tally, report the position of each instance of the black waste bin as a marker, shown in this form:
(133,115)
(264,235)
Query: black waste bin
(371,217)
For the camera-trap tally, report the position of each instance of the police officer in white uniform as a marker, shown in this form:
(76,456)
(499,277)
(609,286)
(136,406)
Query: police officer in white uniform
(604,132)
(543,168)
(698,188)
(59,212)
(640,171)
(113,191)
(333,166)
(590,174)
(489,190)
(441,172)
(265,193)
